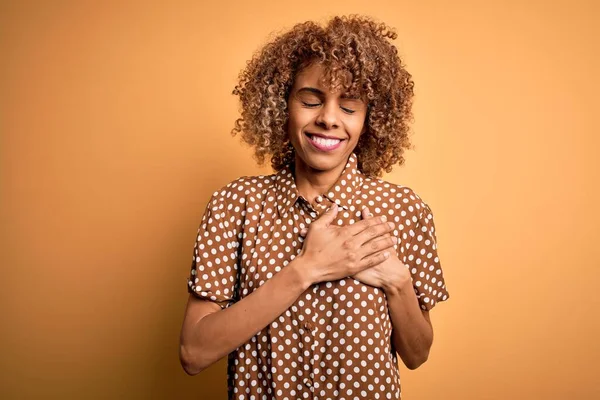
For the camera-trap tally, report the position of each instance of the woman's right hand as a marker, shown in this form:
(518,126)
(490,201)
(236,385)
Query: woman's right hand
(333,252)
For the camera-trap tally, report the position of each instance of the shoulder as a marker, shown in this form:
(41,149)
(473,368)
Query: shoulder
(402,204)
(391,196)
(242,189)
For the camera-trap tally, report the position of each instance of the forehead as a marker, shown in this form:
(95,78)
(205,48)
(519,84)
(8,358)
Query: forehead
(314,73)
(324,78)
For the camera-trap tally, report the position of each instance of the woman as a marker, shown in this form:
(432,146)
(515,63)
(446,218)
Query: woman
(314,278)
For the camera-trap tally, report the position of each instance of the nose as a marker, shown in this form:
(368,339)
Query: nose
(328,117)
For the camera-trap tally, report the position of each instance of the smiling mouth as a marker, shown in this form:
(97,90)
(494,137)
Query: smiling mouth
(324,144)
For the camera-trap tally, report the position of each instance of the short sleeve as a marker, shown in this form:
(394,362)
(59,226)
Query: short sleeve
(213,274)
(423,261)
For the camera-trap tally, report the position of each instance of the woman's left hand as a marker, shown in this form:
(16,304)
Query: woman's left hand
(392,273)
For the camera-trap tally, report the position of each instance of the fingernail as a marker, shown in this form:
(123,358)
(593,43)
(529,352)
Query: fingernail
(386,254)
(391,225)
(383,218)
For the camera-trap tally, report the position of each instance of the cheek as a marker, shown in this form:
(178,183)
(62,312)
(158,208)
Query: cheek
(294,128)
(298,120)
(356,128)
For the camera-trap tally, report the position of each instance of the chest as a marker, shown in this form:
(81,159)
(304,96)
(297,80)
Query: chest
(269,242)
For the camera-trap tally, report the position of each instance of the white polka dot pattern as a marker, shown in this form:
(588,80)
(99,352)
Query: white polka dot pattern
(335,340)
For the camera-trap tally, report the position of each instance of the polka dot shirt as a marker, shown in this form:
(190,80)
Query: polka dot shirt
(335,340)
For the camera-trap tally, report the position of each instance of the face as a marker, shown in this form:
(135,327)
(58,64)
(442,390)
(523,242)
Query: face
(323,126)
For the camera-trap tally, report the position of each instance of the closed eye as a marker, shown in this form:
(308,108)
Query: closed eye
(310,105)
(347,110)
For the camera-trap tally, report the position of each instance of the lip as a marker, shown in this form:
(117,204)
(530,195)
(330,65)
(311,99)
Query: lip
(320,146)
(323,136)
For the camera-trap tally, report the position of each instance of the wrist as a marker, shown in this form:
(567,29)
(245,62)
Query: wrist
(303,271)
(397,285)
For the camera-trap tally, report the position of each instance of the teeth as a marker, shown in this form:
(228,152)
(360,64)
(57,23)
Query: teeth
(325,142)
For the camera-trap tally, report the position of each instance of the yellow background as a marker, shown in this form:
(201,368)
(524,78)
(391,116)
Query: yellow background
(115,121)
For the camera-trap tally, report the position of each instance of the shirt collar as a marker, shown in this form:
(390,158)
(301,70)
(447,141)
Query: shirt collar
(342,192)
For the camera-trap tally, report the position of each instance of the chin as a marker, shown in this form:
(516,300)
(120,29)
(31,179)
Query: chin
(323,162)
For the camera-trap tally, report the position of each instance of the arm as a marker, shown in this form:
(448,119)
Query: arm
(412,333)
(209,333)
(329,253)
(413,341)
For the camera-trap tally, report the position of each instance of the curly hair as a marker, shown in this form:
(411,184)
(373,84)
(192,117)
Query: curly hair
(357,54)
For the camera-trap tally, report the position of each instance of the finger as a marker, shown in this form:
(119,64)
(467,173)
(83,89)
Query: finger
(372,232)
(366,213)
(377,245)
(364,224)
(303,232)
(373,260)
(329,216)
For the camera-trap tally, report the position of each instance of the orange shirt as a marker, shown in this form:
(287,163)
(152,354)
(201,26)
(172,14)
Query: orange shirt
(335,341)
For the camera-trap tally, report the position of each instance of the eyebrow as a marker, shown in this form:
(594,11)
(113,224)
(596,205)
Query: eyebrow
(321,93)
(311,90)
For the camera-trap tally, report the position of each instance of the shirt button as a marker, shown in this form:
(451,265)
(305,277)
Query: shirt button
(307,382)
(308,326)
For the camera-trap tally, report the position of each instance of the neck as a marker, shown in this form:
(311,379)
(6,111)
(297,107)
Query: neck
(311,182)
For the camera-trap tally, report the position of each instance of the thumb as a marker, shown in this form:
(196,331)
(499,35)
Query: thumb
(327,218)
(366,213)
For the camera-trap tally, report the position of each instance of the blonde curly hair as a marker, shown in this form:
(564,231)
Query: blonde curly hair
(357,54)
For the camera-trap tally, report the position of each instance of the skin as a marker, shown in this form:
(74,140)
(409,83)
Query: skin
(313,109)
(412,333)
(363,250)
